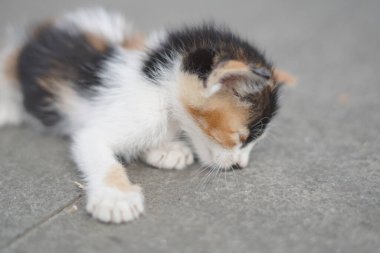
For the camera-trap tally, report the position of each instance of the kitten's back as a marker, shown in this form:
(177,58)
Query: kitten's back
(58,65)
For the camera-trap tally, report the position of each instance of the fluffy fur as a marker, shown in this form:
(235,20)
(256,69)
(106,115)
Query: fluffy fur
(85,75)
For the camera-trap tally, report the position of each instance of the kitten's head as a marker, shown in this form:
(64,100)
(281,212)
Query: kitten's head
(229,99)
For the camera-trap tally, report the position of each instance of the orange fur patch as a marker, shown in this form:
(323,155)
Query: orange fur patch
(97,42)
(55,86)
(11,66)
(136,42)
(191,91)
(117,178)
(216,125)
(235,65)
(284,77)
(65,95)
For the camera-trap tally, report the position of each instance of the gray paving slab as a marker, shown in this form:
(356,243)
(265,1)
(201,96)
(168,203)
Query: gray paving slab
(313,185)
(37,180)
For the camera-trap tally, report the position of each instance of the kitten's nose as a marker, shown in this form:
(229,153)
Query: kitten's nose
(236,166)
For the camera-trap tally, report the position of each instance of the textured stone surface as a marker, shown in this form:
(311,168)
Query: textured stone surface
(37,180)
(313,185)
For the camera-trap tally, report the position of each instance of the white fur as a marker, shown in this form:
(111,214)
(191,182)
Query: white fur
(172,155)
(110,205)
(111,26)
(114,125)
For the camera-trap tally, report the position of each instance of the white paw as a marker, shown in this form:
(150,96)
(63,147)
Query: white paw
(115,206)
(173,155)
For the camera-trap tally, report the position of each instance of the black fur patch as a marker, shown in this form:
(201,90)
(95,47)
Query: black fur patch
(199,62)
(258,124)
(201,46)
(57,55)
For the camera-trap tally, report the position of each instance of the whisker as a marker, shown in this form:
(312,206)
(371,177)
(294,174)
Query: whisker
(202,170)
(216,173)
(212,176)
(203,181)
(235,178)
(225,177)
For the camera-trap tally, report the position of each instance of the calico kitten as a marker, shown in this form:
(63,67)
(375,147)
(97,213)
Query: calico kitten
(87,75)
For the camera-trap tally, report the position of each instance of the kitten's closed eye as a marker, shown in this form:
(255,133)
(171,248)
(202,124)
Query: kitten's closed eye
(262,72)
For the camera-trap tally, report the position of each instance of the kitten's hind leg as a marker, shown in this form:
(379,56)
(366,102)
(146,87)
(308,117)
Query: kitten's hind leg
(111,197)
(171,155)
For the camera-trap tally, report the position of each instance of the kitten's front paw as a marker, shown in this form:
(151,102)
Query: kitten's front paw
(173,155)
(115,206)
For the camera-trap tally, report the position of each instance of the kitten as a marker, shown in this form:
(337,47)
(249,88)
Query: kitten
(87,75)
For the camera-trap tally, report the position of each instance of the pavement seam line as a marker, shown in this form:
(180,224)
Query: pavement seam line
(40,223)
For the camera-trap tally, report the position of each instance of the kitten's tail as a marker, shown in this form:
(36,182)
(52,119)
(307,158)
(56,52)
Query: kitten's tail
(11,108)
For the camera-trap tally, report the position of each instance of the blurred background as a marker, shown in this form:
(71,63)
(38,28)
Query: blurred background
(312,186)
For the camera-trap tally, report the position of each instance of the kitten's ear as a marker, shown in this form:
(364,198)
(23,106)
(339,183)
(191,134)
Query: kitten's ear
(199,62)
(283,77)
(231,74)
